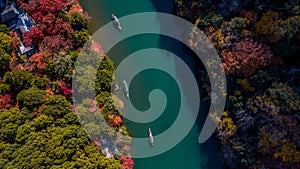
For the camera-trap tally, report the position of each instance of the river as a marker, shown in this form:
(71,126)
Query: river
(188,154)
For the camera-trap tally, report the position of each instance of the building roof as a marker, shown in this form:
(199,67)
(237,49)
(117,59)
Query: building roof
(24,23)
(23,49)
(23,29)
(9,12)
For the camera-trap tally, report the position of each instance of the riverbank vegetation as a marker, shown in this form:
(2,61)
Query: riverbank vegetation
(39,127)
(258,43)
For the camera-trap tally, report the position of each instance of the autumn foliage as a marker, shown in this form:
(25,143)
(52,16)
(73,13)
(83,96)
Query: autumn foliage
(40,8)
(127,163)
(5,102)
(64,88)
(247,57)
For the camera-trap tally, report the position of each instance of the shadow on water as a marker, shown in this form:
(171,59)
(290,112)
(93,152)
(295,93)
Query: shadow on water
(211,147)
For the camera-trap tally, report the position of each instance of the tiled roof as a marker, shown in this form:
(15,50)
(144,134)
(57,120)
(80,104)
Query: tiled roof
(9,12)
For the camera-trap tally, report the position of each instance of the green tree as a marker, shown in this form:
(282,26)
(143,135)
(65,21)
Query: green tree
(57,107)
(80,38)
(4,60)
(62,68)
(17,79)
(4,28)
(10,120)
(42,122)
(40,83)
(77,20)
(105,75)
(5,42)
(4,89)
(23,132)
(31,98)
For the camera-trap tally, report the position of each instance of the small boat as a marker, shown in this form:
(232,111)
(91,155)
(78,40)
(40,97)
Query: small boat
(116,87)
(126,89)
(151,140)
(116,22)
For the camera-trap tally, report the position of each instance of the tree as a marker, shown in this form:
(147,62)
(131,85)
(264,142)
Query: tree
(4,89)
(5,42)
(4,60)
(64,88)
(39,9)
(127,163)
(31,98)
(37,62)
(104,81)
(23,132)
(80,38)
(5,102)
(248,56)
(78,20)
(40,83)
(63,67)
(117,120)
(55,43)
(274,28)
(34,36)
(289,153)
(4,28)
(105,75)
(17,80)
(56,106)
(226,127)
(10,120)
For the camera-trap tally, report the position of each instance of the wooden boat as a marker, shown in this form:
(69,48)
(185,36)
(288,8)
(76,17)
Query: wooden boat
(116,22)
(151,140)
(126,89)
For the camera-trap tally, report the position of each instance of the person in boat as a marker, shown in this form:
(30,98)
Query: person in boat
(126,89)
(151,140)
(116,87)
(114,18)
(116,21)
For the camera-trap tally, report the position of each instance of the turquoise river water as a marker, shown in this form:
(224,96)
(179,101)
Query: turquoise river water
(188,154)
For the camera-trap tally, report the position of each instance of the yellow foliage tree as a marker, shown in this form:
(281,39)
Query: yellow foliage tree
(226,127)
(289,153)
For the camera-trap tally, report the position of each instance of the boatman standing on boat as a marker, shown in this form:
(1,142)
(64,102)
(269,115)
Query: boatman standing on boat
(116,21)
(151,140)
(126,89)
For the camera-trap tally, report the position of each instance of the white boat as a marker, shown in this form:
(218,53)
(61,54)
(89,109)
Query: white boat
(126,89)
(151,140)
(116,22)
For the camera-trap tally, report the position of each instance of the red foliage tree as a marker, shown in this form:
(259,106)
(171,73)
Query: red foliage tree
(52,33)
(63,87)
(117,121)
(37,61)
(48,24)
(97,47)
(62,28)
(35,35)
(5,102)
(55,44)
(247,56)
(127,163)
(40,8)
